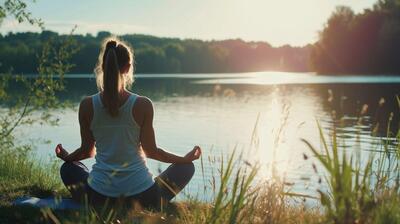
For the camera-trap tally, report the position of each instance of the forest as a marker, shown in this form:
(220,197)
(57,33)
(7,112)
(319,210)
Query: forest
(363,43)
(18,53)
(367,42)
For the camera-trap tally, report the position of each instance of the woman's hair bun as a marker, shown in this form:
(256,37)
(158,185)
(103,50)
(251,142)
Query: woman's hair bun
(111,44)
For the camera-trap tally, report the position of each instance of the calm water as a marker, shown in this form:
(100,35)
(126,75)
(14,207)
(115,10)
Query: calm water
(263,115)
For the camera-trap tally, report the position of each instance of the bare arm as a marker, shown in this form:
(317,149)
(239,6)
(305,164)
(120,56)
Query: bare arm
(148,142)
(87,149)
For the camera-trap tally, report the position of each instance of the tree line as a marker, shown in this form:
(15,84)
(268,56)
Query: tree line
(363,43)
(349,43)
(159,55)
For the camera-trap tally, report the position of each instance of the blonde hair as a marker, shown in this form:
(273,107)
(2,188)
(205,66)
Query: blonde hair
(114,56)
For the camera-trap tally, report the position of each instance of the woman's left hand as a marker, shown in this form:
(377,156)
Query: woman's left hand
(194,154)
(61,152)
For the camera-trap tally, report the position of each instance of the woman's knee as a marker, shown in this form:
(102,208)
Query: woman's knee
(187,168)
(72,172)
(65,167)
(191,168)
(179,173)
(73,166)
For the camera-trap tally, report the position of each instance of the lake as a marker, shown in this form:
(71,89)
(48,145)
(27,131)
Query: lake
(263,115)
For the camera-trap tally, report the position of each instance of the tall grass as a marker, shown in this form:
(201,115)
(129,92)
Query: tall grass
(22,175)
(359,190)
(23,170)
(349,199)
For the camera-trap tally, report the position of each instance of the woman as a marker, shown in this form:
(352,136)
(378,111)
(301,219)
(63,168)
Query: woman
(116,127)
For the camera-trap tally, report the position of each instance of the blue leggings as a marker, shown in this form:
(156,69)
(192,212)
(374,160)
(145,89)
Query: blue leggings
(166,186)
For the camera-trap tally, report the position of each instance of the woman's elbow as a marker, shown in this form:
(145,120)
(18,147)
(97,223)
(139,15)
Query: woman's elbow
(89,151)
(92,153)
(150,153)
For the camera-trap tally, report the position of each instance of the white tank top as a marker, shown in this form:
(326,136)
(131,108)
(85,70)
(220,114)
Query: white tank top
(120,168)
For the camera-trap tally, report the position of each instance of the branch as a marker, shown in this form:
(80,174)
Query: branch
(23,114)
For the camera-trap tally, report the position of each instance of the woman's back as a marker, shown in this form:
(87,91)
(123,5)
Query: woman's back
(120,167)
(117,127)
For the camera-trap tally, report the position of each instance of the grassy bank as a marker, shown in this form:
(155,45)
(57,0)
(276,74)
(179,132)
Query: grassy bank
(21,176)
(358,192)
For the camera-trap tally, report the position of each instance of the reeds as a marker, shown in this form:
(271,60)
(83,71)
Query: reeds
(359,190)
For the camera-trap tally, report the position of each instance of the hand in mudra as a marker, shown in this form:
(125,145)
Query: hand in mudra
(194,154)
(61,152)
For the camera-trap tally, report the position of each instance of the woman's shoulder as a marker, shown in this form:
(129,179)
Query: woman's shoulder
(143,108)
(142,100)
(143,104)
(86,104)
(87,101)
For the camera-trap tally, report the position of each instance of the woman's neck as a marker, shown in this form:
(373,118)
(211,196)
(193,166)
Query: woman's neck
(121,93)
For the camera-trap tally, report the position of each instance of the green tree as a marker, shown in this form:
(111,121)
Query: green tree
(40,90)
(331,51)
(171,55)
(363,43)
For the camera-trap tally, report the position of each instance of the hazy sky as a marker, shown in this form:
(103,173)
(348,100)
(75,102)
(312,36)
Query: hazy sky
(278,22)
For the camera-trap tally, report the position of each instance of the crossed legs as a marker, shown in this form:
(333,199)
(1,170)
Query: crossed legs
(168,184)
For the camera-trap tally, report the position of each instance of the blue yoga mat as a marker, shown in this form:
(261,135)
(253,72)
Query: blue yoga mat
(53,203)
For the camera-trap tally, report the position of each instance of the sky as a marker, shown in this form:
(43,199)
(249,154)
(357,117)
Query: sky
(279,22)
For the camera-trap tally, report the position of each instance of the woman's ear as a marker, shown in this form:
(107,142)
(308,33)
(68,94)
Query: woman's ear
(126,68)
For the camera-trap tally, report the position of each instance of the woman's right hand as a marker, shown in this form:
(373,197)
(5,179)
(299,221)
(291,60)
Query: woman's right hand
(61,152)
(194,154)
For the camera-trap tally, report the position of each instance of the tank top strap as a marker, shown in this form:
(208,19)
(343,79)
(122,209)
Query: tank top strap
(126,111)
(132,100)
(96,101)
(97,105)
